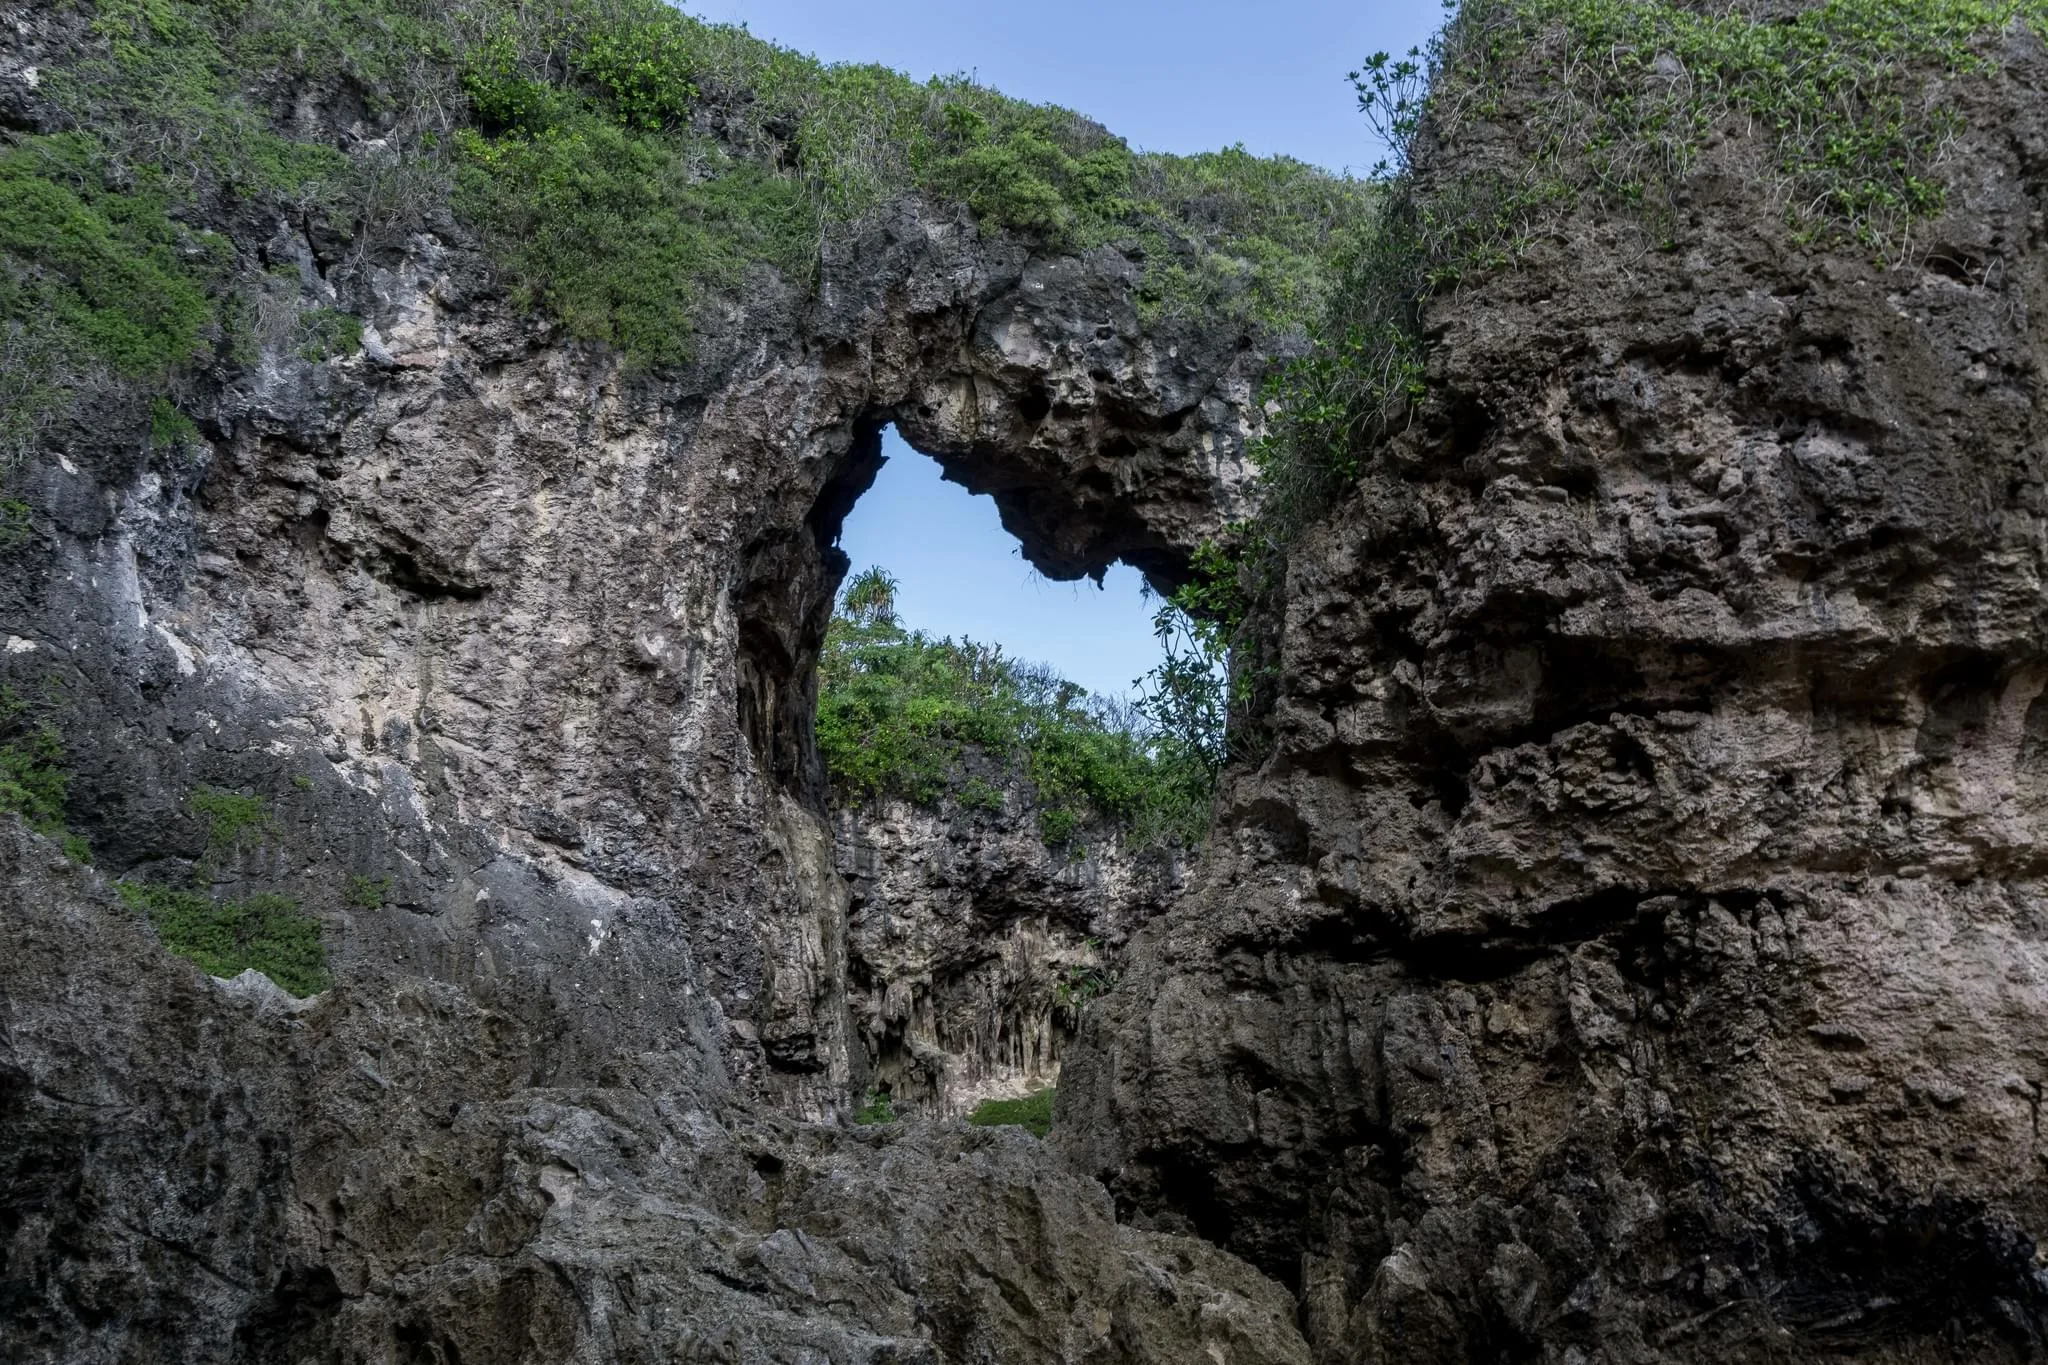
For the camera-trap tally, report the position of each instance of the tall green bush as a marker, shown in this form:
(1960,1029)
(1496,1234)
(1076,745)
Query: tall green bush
(903,714)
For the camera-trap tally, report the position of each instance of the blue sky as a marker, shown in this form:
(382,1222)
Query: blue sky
(1167,75)
(1181,77)
(961,573)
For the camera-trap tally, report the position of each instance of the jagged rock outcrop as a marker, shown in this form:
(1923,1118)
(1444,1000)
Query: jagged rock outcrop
(973,948)
(1633,947)
(206,1170)
(1630,949)
(517,651)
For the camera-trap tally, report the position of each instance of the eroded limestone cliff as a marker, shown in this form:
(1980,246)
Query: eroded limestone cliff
(507,655)
(529,646)
(1632,949)
(1629,948)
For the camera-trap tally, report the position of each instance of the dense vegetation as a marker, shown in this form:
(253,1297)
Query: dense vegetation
(1033,1112)
(603,198)
(903,714)
(623,163)
(224,937)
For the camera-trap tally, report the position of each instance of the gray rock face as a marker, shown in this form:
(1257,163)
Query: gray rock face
(540,643)
(195,1170)
(973,949)
(527,648)
(1634,947)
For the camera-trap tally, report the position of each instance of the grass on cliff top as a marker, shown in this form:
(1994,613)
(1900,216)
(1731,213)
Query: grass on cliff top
(900,714)
(622,89)
(1614,103)
(1541,109)
(625,165)
(1847,95)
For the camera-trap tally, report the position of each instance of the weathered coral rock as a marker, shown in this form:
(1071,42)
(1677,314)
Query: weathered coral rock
(520,654)
(1634,947)
(202,1170)
(973,948)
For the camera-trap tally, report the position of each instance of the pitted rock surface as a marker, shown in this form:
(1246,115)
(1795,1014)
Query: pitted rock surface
(526,647)
(208,1172)
(974,949)
(1633,948)
(1630,949)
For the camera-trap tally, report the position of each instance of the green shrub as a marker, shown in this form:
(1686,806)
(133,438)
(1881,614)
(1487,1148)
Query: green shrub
(898,713)
(109,270)
(877,1107)
(166,99)
(641,69)
(1033,1111)
(329,333)
(225,937)
(1080,983)
(620,235)
(1273,236)
(976,794)
(230,817)
(503,98)
(33,781)
(367,893)
(14,522)
(168,427)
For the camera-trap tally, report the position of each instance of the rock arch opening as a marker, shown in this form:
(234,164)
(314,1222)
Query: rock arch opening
(969,941)
(1080,490)
(973,938)
(1100,440)
(958,574)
